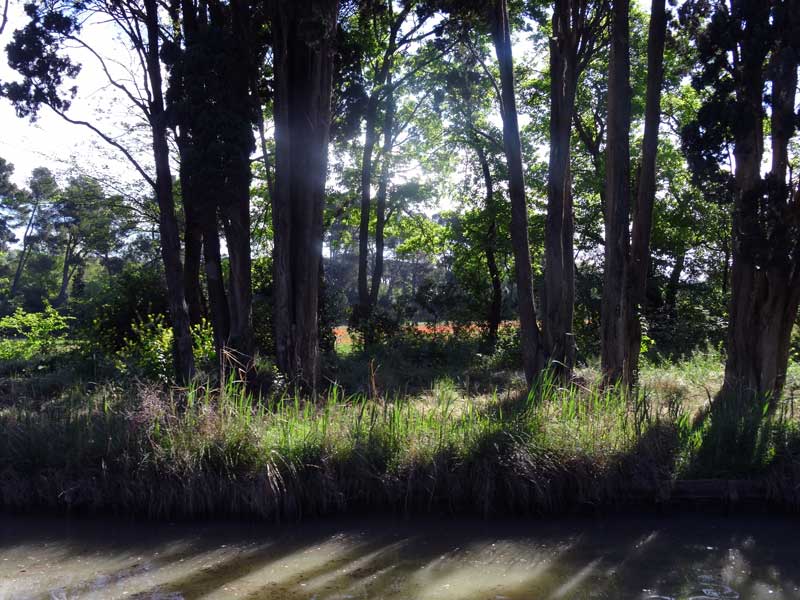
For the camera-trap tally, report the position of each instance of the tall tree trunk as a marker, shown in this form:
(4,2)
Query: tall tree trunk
(25,251)
(235,208)
(671,293)
(646,192)
(614,311)
(532,353)
(168,223)
(217,298)
(66,274)
(559,285)
(765,274)
(303,80)
(370,139)
(494,312)
(193,248)
(383,191)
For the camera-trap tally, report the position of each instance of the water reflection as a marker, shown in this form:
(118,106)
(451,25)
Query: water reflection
(678,558)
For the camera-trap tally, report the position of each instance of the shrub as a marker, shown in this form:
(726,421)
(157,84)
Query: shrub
(147,352)
(32,333)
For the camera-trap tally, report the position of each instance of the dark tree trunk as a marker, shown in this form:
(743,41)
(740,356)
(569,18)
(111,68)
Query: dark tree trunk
(380,198)
(235,208)
(671,293)
(765,274)
(66,274)
(558,302)
(532,353)
(303,78)
(494,312)
(614,310)
(217,298)
(168,223)
(646,192)
(193,248)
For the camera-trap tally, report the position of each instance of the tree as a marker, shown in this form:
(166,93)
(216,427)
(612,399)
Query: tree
(577,31)
(8,196)
(533,356)
(639,259)
(29,207)
(743,46)
(212,70)
(384,44)
(37,53)
(303,36)
(86,222)
(625,273)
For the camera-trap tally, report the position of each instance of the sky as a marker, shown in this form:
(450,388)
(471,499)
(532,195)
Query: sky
(54,143)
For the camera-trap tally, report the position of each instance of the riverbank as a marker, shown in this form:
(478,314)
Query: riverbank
(200,453)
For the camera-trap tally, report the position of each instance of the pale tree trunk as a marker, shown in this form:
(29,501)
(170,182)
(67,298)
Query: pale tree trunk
(303,79)
(614,316)
(25,251)
(383,192)
(168,223)
(532,353)
(765,274)
(646,192)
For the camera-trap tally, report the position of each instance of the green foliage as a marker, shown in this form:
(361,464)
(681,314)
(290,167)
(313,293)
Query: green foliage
(29,334)
(147,352)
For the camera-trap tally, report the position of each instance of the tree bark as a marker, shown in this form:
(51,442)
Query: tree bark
(303,77)
(383,191)
(532,353)
(193,247)
(559,288)
(66,274)
(217,298)
(614,310)
(765,274)
(370,139)
(235,207)
(168,223)
(494,312)
(23,253)
(646,192)
(671,293)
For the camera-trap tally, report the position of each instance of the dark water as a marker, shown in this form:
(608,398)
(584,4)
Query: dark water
(682,557)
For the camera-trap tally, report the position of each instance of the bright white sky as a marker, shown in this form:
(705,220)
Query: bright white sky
(51,141)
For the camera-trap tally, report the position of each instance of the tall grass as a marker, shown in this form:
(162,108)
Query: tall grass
(211,451)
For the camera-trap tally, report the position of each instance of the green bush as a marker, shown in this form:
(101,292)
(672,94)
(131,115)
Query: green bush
(147,352)
(27,334)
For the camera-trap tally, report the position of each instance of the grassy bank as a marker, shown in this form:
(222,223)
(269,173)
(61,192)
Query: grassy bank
(163,452)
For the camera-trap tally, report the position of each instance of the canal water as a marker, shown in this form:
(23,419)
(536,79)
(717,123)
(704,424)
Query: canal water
(637,557)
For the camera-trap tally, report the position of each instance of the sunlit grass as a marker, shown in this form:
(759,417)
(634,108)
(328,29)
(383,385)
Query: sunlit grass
(211,450)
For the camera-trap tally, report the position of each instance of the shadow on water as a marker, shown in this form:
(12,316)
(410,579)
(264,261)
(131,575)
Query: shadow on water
(688,556)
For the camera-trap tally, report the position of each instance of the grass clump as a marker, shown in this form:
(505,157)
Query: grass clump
(206,451)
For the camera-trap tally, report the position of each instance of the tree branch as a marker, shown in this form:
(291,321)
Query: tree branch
(109,140)
(4,19)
